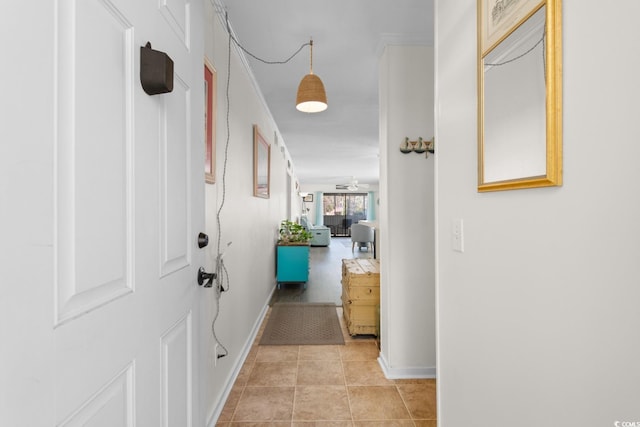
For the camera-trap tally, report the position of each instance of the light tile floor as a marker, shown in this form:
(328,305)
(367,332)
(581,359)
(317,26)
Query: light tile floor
(325,386)
(330,386)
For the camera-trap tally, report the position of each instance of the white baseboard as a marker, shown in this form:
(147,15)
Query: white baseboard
(403,373)
(213,419)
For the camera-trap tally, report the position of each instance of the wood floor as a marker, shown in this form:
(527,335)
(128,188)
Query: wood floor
(325,385)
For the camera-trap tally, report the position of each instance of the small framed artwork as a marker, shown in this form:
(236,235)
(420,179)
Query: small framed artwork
(498,18)
(308,198)
(261,164)
(210,89)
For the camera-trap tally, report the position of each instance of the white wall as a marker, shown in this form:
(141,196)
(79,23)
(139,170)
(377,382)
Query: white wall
(250,223)
(538,318)
(406,214)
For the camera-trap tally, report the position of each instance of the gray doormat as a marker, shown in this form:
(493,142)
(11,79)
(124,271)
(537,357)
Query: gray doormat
(302,324)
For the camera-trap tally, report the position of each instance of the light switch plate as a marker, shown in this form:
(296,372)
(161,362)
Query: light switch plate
(457,241)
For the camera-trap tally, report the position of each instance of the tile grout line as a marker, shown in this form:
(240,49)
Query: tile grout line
(346,386)
(404,402)
(295,385)
(244,387)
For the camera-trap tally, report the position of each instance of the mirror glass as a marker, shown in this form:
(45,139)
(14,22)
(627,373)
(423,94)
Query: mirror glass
(261,164)
(519,139)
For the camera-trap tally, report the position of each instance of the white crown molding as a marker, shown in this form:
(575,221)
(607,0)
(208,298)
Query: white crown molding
(403,39)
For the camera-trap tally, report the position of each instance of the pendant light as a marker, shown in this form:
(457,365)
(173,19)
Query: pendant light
(311,95)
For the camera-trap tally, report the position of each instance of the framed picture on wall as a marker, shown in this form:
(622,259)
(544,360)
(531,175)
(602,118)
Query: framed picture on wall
(210,89)
(308,198)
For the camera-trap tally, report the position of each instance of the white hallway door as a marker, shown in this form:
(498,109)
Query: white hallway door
(112,336)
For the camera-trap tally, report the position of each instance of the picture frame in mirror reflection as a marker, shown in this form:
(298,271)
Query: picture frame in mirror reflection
(261,164)
(520,96)
(498,18)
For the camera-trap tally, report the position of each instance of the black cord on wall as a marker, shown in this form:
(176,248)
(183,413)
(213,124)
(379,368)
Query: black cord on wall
(222,275)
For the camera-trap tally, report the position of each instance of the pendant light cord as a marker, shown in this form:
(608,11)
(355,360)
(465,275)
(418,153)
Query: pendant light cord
(544,56)
(311,57)
(508,61)
(237,43)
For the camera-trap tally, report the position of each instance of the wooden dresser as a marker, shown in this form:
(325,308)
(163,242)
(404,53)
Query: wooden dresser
(361,295)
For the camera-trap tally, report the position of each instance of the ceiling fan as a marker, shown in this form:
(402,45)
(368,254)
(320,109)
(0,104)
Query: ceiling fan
(352,185)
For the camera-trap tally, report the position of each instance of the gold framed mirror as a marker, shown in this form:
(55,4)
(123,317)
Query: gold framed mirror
(519,94)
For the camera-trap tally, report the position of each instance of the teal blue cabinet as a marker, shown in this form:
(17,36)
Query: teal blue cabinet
(292,264)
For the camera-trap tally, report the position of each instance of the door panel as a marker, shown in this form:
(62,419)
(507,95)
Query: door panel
(110,406)
(177,396)
(177,14)
(175,135)
(126,206)
(93,164)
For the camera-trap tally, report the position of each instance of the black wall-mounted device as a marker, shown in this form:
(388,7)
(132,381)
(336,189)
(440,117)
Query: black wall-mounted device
(156,71)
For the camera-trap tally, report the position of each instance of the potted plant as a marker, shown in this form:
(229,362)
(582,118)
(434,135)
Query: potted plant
(292,234)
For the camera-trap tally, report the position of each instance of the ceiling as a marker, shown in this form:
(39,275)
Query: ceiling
(341,142)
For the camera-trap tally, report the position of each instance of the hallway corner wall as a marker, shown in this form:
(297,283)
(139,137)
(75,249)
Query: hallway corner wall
(406,214)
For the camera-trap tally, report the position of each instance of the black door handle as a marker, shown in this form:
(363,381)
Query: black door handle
(205,279)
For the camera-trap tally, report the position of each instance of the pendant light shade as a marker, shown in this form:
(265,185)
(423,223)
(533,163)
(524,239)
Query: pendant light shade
(311,96)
